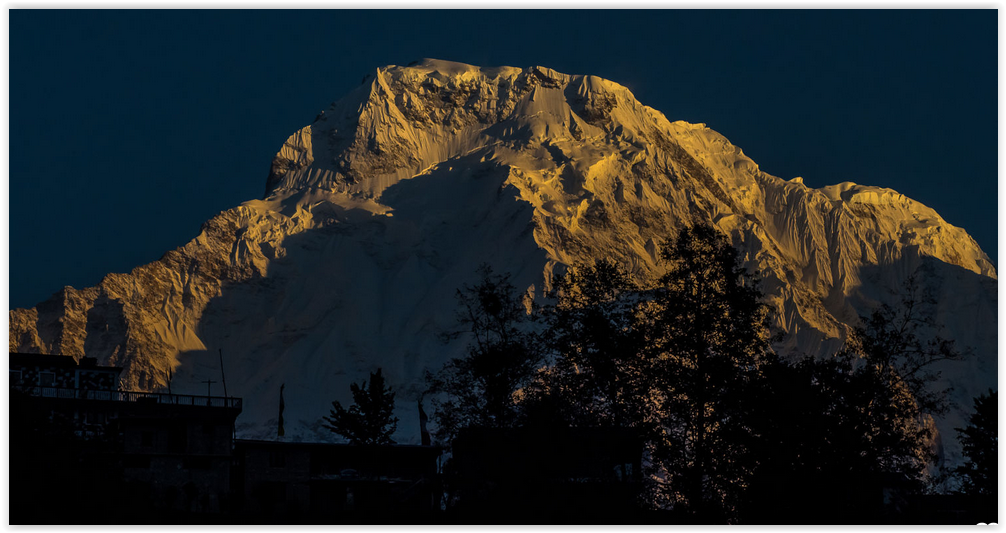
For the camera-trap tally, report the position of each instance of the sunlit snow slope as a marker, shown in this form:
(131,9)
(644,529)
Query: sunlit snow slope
(379,210)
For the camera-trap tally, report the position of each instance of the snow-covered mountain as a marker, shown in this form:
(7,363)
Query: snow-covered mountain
(381,208)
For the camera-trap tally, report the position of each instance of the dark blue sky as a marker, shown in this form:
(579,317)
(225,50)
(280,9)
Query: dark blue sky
(128,129)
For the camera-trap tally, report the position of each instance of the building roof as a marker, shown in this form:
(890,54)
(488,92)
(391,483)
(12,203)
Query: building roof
(66,361)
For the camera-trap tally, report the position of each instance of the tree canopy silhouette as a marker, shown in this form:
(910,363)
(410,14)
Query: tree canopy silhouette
(707,339)
(903,344)
(832,431)
(479,389)
(981,446)
(370,419)
(734,432)
(592,344)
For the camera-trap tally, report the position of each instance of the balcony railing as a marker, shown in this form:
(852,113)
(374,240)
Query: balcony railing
(130,396)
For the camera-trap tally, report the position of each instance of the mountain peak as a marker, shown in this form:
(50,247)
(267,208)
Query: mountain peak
(405,119)
(568,130)
(381,208)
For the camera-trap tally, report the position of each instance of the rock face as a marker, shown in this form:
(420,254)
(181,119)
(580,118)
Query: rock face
(379,210)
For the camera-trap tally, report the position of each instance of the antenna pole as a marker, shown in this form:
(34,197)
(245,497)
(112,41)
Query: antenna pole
(222,378)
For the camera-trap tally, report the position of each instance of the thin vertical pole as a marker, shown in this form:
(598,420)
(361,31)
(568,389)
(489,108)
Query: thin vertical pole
(222,379)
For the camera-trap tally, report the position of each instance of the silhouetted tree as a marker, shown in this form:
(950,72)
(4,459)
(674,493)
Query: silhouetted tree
(893,356)
(980,441)
(707,338)
(903,343)
(592,345)
(676,360)
(735,432)
(833,432)
(480,389)
(370,419)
